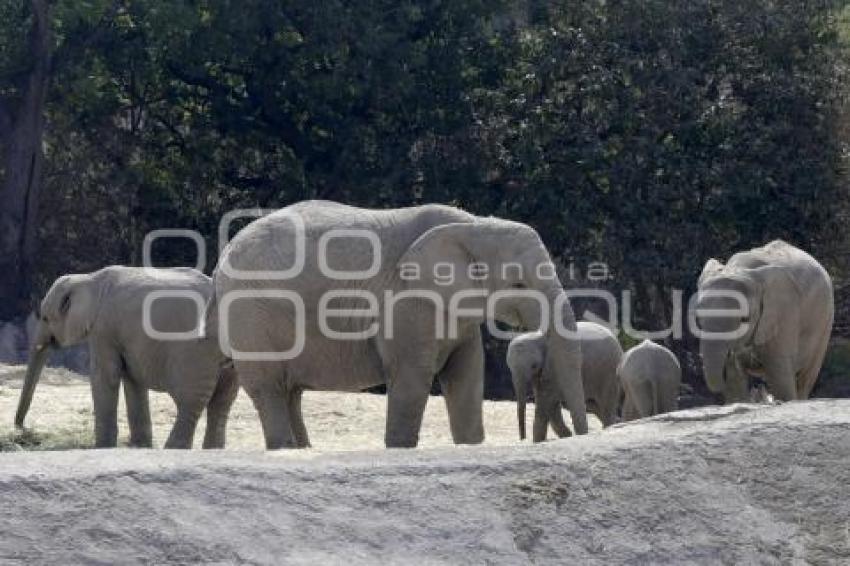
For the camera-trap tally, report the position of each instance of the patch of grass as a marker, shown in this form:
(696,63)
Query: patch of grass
(29,439)
(626,341)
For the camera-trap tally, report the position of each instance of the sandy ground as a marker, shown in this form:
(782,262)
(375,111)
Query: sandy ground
(742,484)
(61,417)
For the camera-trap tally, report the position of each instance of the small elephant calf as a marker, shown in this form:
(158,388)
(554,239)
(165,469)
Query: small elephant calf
(650,376)
(601,353)
(107,309)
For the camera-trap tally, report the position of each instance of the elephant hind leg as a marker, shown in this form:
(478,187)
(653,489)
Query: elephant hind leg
(462,385)
(218,408)
(640,394)
(274,416)
(263,382)
(299,430)
(183,431)
(630,411)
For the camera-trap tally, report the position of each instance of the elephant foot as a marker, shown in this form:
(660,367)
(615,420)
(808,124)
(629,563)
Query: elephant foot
(141,443)
(401,440)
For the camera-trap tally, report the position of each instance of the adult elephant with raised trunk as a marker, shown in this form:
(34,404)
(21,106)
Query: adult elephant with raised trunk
(281,276)
(779,334)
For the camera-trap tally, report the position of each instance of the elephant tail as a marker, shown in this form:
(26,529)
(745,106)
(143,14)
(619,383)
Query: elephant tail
(210,323)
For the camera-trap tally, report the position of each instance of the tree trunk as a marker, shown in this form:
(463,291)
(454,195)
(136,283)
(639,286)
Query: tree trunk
(23,163)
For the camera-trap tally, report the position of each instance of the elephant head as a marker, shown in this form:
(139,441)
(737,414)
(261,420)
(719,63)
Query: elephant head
(519,269)
(770,297)
(65,317)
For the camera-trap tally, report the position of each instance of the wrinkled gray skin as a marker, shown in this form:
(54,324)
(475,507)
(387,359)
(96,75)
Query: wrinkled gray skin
(105,309)
(650,376)
(408,359)
(600,354)
(790,318)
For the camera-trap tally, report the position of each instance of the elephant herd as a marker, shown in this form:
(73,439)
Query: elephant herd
(325,296)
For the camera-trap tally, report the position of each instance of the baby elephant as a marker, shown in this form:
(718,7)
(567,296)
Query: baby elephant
(109,309)
(601,352)
(650,376)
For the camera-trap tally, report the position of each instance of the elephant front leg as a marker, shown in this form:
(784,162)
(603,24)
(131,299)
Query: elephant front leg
(780,377)
(573,393)
(556,419)
(407,395)
(105,383)
(547,410)
(138,414)
(462,384)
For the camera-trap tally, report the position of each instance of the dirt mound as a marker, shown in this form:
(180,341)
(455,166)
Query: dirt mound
(739,484)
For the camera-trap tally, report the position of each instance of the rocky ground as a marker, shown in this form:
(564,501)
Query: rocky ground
(742,484)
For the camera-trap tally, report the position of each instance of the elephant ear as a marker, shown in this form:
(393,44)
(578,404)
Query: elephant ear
(780,302)
(712,267)
(444,249)
(79,304)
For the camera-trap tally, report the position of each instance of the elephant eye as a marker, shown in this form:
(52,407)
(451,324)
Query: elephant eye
(66,304)
(518,286)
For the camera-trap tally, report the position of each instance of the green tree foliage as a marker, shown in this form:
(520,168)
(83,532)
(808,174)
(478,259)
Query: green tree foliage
(654,135)
(650,135)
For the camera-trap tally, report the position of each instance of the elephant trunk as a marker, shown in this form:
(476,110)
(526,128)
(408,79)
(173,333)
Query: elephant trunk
(37,360)
(563,361)
(713,365)
(521,399)
(541,413)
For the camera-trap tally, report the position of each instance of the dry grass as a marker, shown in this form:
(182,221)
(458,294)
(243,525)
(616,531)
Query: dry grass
(61,418)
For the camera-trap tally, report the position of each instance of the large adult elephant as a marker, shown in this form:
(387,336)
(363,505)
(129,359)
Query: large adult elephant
(600,354)
(790,302)
(421,263)
(106,308)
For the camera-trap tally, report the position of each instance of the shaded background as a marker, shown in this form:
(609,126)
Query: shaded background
(648,135)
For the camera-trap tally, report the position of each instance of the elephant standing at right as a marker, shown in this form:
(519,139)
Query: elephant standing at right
(783,337)
(650,376)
